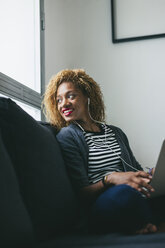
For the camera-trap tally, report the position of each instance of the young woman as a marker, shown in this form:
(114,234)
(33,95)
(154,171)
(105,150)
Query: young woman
(101,165)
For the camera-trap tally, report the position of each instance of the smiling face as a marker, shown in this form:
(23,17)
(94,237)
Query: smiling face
(71,103)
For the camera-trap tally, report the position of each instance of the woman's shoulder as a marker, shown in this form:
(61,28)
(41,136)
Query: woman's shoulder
(115,128)
(68,131)
(118,131)
(70,128)
(71,136)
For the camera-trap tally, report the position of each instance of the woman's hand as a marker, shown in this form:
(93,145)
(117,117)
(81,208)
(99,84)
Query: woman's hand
(138,180)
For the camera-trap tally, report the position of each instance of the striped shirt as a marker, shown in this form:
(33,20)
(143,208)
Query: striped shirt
(104,152)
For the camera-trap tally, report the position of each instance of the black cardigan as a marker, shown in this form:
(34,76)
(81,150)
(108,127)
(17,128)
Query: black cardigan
(75,152)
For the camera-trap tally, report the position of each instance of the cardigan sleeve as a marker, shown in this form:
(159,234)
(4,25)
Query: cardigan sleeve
(74,158)
(134,162)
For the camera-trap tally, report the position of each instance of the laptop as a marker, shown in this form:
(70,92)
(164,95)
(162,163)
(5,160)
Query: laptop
(158,179)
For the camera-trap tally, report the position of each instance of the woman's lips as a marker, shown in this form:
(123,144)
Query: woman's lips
(67,112)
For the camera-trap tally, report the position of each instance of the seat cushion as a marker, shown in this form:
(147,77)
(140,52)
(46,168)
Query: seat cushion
(39,166)
(15,224)
(111,240)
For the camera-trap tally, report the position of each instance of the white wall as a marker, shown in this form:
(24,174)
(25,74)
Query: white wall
(131,75)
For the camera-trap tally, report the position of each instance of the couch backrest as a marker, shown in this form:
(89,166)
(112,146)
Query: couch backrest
(16,229)
(40,171)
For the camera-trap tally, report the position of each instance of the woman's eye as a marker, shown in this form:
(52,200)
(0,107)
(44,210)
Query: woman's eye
(71,96)
(59,101)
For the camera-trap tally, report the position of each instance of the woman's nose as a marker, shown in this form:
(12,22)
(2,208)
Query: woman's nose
(65,102)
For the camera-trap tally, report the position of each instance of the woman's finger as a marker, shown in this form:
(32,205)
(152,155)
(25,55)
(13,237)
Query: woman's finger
(144,191)
(143,183)
(143,174)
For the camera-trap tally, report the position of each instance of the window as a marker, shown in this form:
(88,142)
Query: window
(21,52)
(34,112)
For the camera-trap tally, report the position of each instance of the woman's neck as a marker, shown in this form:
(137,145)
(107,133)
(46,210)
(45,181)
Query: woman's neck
(89,126)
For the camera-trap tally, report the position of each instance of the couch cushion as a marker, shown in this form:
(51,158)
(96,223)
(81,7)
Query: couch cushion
(111,240)
(15,224)
(40,169)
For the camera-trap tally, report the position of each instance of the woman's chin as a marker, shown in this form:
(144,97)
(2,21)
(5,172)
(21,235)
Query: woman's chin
(69,119)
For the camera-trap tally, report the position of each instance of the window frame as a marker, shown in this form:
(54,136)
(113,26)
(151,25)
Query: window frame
(12,88)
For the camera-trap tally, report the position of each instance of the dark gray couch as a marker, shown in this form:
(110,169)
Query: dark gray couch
(38,205)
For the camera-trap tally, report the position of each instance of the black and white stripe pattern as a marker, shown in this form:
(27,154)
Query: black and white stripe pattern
(104,152)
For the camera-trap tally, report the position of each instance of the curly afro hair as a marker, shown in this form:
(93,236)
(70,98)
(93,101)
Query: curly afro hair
(81,81)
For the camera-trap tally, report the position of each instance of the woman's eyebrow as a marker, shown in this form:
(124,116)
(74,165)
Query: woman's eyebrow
(68,92)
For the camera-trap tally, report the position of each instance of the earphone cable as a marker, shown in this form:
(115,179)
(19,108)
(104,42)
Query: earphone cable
(105,143)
